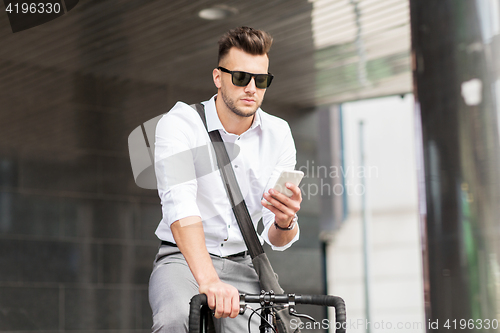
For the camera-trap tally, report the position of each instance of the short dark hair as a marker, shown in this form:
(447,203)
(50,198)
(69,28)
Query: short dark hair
(256,42)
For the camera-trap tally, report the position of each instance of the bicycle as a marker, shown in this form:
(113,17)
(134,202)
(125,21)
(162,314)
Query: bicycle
(269,302)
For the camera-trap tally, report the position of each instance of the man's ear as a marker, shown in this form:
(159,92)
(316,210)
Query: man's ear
(217,78)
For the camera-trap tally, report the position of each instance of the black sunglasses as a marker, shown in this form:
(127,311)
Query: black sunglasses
(242,79)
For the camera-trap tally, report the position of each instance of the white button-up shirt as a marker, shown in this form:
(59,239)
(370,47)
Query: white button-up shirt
(189,183)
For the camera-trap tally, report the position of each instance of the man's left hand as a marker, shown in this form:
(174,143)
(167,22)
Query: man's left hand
(283,207)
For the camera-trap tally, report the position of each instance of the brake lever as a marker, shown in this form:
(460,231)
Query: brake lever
(301,315)
(293,312)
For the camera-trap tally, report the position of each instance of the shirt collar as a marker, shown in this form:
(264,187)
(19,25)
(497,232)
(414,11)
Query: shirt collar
(213,121)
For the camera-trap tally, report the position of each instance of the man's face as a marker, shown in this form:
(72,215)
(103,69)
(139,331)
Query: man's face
(243,101)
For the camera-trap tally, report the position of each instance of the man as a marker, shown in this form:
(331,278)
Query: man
(202,248)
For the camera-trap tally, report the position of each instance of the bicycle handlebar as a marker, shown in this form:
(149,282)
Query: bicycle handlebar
(195,312)
(198,301)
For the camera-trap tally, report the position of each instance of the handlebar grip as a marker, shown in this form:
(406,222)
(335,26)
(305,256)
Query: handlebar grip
(196,304)
(328,300)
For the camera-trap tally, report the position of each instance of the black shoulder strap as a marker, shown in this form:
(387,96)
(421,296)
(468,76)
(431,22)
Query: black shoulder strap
(233,189)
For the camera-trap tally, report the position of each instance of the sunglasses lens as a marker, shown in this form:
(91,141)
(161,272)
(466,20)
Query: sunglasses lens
(241,79)
(262,81)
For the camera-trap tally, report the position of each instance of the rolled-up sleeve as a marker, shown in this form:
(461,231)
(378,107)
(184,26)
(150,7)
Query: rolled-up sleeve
(174,165)
(286,161)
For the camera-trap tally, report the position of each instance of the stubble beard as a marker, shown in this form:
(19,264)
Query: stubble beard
(231,106)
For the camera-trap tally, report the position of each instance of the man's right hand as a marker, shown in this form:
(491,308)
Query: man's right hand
(223,298)
(190,238)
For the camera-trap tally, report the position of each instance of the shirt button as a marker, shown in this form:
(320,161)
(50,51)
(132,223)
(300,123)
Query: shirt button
(228,226)
(235,166)
(238,138)
(222,245)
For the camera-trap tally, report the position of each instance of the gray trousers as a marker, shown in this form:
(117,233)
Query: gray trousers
(172,285)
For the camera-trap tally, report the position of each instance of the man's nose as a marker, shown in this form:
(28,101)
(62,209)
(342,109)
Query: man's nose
(250,87)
